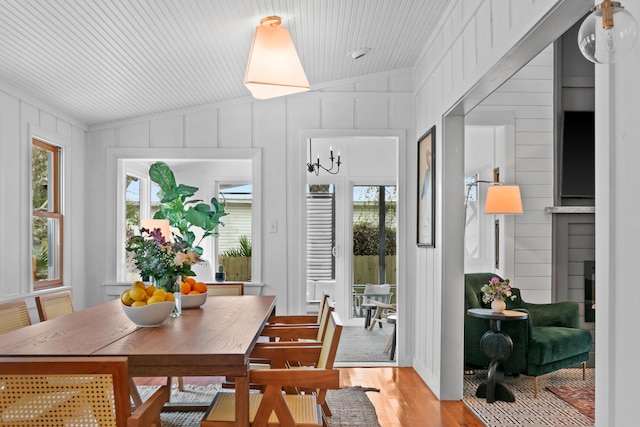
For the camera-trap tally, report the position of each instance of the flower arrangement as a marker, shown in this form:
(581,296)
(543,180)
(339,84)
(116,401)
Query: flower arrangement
(497,290)
(155,257)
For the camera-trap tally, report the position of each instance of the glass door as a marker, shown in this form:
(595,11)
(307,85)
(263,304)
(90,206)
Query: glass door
(374,239)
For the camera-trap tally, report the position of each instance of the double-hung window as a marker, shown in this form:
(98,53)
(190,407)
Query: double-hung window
(46,228)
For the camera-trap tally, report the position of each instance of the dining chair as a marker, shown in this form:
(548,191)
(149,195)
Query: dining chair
(13,315)
(221,289)
(63,391)
(54,305)
(298,332)
(272,406)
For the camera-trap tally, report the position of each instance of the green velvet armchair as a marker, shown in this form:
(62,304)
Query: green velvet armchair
(550,339)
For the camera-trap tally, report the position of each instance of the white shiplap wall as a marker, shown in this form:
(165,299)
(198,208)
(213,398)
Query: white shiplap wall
(528,97)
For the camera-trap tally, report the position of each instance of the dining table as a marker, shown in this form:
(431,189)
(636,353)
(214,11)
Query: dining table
(215,339)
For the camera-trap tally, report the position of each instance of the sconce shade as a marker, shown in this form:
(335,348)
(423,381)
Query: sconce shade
(162,224)
(607,34)
(274,68)
(503,200)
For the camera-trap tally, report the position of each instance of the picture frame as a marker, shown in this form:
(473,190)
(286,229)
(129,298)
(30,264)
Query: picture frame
(426,226)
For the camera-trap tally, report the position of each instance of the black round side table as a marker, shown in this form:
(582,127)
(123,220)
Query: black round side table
(497,346)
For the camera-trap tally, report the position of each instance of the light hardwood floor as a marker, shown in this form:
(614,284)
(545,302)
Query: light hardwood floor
(404,399)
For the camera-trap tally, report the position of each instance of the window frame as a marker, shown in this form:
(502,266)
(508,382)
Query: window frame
(55,213)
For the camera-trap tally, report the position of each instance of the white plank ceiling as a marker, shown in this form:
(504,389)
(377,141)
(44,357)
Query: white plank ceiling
(105,60)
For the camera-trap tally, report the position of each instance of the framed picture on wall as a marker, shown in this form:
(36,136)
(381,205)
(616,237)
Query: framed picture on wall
(426,194)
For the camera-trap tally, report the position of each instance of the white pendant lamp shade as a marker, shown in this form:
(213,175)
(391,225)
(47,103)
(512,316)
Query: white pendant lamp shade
(503,200)
(274,68)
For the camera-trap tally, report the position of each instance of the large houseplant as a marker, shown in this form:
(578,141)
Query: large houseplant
(182,212)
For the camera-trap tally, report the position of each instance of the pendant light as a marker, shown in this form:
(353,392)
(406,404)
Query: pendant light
(274,68)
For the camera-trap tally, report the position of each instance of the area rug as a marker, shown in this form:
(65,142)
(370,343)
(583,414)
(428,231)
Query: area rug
(358,344)
(545,410)
(350,406)
(581,398)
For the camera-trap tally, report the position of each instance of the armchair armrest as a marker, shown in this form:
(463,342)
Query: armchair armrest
(307,378)
(279,355)
(564,314)
(149,412)
(293,319)
(290,332)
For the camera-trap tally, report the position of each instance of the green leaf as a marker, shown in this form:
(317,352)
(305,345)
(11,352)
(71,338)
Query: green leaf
(161,174)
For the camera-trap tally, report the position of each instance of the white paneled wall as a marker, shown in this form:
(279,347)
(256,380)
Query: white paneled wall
(368,107)
(21,118)
(528,98)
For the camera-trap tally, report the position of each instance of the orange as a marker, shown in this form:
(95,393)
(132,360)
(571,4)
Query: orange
(185,288)
(200,287)
(151,289)
(190,280)
(194,293)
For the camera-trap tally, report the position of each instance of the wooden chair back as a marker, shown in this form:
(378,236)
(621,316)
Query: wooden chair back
(221,289)
(54,305)
(52,391)
(13,315)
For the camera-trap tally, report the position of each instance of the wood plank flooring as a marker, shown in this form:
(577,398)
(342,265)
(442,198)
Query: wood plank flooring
(404,399)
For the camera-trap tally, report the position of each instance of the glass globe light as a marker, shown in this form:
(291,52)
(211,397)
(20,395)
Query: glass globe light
(607,34)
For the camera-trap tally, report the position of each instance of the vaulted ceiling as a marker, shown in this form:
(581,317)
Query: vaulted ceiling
(104,60)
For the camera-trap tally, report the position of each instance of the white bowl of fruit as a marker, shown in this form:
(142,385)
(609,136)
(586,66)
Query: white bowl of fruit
(147,306)
(192,293)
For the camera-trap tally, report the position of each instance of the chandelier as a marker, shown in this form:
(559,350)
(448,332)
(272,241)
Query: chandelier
(314,167)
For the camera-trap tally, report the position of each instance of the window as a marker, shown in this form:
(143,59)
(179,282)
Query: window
(46,228)
(234,243)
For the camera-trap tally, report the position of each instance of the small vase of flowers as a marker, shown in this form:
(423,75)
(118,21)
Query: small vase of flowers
(496,293)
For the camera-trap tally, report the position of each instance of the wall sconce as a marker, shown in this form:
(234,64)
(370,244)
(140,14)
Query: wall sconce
(501,199)
(602,42)
(274,68)
(314,167)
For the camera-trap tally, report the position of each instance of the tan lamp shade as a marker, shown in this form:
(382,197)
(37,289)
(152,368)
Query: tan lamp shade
(503,200)
(162,224)
(274,68)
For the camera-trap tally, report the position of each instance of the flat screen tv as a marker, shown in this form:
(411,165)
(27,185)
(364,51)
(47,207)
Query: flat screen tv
(578,155)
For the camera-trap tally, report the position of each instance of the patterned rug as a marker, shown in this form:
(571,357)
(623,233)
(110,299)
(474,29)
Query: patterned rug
(581,398)
(350,406)
(546,410)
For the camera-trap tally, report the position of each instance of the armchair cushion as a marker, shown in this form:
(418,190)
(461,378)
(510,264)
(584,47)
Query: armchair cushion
(551,343)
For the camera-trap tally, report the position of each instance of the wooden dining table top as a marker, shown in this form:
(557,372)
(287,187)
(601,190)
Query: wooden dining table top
(215,339)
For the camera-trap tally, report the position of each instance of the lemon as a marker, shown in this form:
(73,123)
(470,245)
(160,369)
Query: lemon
(138,284)
(154,299)
(151,289)
(161,293)
(169,297)
(138,294)
(126,298)
(138,304)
